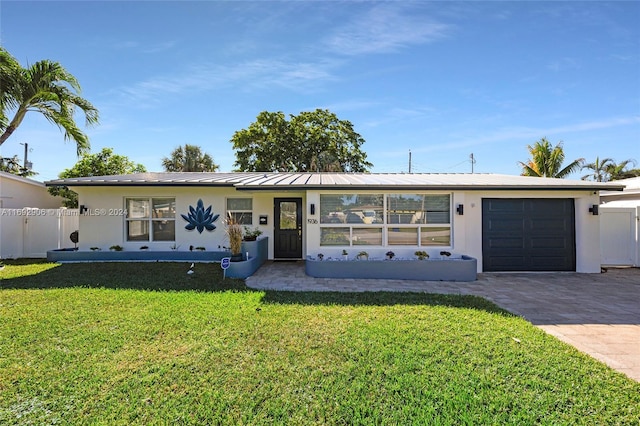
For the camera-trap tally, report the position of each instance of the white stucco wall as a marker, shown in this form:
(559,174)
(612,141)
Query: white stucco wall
(467,228)
(17,192)
(587,225)
(106,230)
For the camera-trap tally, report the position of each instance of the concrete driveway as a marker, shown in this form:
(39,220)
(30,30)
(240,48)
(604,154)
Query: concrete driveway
(599,314)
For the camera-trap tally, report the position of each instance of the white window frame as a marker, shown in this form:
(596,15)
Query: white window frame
(385,226)
(149,219)
(233,212)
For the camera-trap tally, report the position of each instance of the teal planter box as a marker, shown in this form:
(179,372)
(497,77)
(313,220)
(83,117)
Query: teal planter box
(140,256)
(258,252)
(462,269)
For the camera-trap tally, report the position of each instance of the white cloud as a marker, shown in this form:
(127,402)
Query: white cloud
(250,75)
(385,28)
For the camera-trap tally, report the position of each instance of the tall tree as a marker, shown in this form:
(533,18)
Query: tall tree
(12,165)
(189,159)
(598,170)
(45,87)
(546,161)
(617,171)
(104,163)
(309,142)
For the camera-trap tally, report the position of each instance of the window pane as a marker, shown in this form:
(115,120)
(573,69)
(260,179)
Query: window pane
(239,204)
(164,207)
(243,218)
(402,236)
(418,208)
(438,236)
(356,208)
(288,215)
(405,208)
(137,230)
(438,208)
(367,236)
(137,207)
(164,230)
(334,236)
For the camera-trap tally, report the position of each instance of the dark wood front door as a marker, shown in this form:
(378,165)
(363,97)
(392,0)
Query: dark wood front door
(288,228)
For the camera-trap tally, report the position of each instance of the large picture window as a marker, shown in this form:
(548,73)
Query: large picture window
(151,219)
(240,210)
(385,219)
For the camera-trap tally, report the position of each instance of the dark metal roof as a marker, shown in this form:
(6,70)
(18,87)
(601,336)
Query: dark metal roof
(256,181)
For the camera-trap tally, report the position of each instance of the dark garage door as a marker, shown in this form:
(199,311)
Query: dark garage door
(528,234)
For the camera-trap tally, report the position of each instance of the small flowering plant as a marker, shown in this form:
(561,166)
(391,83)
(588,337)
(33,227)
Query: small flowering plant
(422,254)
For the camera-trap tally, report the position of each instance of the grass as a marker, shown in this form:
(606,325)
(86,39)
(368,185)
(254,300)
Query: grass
(117,343)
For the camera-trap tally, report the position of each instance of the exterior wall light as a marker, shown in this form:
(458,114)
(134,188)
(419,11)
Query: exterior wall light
(460,209)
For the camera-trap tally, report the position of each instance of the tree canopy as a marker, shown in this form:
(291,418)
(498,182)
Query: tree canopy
(547,161)
(103,163)
(598,170)
(607,169)
(48,88)
(12,165)
(617,171)
(189,158)
(315,141)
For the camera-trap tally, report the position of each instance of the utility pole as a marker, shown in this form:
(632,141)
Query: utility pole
(473,161)
(409,161)
(26,165)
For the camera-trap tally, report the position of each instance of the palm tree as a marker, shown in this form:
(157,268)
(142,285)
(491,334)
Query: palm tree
(189,159)
(616,171)
(546,161)
(45,87)
(599,169)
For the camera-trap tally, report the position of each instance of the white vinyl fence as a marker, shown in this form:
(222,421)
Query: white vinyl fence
(619,236)
(31,232)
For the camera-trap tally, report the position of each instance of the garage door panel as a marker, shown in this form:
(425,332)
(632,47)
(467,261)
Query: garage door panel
(507,206)
(528,235)
(543,263)
(511,243)
(506,225)
(506,261)
(548,243)
(549,225)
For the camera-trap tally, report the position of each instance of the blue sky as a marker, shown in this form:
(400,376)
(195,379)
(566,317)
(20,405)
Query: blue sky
(442,79)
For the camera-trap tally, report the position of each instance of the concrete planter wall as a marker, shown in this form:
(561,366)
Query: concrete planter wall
(140,255)
(463,269)
(258,252)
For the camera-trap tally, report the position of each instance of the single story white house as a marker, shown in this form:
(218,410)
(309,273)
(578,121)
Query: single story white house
(508,223)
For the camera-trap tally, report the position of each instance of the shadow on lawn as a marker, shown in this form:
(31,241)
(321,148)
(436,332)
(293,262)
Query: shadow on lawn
(159,276)
(381,299)
(207,277)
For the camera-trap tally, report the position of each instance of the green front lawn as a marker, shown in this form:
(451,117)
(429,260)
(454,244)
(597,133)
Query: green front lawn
(145,343)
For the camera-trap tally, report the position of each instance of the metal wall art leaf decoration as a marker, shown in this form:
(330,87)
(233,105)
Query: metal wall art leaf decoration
(200,218)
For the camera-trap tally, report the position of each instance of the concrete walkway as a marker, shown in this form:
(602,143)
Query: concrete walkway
(599,314)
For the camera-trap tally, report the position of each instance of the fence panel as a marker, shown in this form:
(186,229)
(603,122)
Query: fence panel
(32,232)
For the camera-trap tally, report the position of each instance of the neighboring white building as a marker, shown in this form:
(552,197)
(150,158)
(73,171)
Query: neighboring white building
(509,223)
(619,224)
(32,220)
(17,192)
